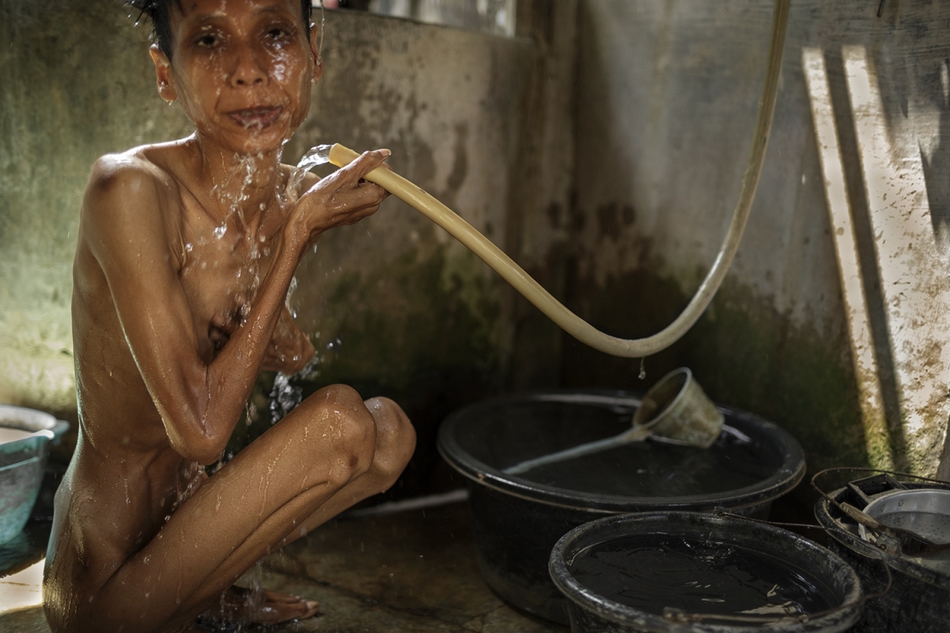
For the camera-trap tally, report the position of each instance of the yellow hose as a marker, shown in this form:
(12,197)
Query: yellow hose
(577,327)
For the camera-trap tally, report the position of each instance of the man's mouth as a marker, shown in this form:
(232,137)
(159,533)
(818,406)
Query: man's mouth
(257,118)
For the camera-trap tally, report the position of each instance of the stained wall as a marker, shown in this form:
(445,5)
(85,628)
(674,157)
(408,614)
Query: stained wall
(667,94)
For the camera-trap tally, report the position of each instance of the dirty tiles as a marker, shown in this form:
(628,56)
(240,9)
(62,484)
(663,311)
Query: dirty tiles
(410,571)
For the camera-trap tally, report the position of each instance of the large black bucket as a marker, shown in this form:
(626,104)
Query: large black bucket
(677,572)
(518,518)
(918,599)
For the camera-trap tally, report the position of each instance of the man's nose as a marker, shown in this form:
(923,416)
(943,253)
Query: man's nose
(249,67)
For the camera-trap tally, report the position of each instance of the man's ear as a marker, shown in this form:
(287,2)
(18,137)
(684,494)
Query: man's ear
(163,74)
(315,51)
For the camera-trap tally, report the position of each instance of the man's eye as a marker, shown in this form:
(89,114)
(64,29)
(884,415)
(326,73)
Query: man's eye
(208,40)
(279,34)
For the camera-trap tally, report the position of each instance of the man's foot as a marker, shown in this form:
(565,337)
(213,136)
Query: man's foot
(239,606)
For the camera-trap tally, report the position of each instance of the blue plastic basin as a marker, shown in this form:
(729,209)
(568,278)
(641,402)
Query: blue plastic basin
(22,463)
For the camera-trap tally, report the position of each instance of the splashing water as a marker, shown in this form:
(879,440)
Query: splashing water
(285,395)
(315,156)
(243,165)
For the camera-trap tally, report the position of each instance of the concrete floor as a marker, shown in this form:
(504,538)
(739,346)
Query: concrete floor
(413,570)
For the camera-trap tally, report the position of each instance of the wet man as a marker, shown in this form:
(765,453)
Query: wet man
(186,251)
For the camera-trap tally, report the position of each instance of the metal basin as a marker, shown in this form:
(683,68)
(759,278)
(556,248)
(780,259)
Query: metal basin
(913,592)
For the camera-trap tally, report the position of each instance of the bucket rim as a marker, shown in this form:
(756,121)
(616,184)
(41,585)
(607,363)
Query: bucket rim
(839,618)
(856,545)
(786,476)
(42,427)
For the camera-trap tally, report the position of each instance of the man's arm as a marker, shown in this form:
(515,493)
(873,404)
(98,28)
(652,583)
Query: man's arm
(290,349)
(123,226)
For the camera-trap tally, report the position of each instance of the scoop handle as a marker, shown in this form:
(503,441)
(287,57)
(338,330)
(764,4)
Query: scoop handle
(634,434)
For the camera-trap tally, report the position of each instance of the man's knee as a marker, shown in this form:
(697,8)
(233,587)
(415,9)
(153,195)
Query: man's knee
(336,416)
(395,438)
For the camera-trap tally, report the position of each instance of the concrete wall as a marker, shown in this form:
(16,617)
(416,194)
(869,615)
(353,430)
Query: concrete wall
(666,100)
(74,87)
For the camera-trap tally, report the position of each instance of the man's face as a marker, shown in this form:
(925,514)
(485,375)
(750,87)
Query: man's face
(242,70)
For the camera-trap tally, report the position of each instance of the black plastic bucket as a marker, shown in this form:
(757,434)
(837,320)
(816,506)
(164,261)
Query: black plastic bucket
(918,599)
(673,572)
(518,518)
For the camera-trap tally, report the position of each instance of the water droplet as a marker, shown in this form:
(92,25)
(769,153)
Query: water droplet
(220,231)
(643,369)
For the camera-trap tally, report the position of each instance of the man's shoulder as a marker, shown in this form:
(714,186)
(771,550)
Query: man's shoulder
(133,171)
(131,190)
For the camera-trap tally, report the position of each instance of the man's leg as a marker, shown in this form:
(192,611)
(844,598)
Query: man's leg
(329,453)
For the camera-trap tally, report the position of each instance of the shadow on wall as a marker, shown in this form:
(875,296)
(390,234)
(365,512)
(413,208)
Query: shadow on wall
(937,157)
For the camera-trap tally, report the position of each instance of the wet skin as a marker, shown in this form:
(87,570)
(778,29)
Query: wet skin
(185,254)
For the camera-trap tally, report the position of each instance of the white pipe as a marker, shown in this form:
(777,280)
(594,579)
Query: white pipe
(541,298)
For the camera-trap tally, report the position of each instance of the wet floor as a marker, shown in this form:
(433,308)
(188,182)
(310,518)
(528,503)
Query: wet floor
(412,570)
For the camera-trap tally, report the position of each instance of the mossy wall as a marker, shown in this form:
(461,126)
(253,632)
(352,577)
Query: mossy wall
(661,145)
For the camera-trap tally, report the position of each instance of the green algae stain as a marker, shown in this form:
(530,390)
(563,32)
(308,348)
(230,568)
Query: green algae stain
(754,358)
(743,353)
(437,313)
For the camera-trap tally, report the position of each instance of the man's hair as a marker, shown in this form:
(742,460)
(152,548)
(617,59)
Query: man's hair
(159,11)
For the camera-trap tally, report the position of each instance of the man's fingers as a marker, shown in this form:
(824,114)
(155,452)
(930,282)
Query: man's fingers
(366,162)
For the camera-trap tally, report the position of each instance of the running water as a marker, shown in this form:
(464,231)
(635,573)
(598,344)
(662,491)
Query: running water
(315,156)
(243,165)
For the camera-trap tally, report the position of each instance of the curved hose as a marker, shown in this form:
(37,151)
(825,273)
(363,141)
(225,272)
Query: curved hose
(541,298)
